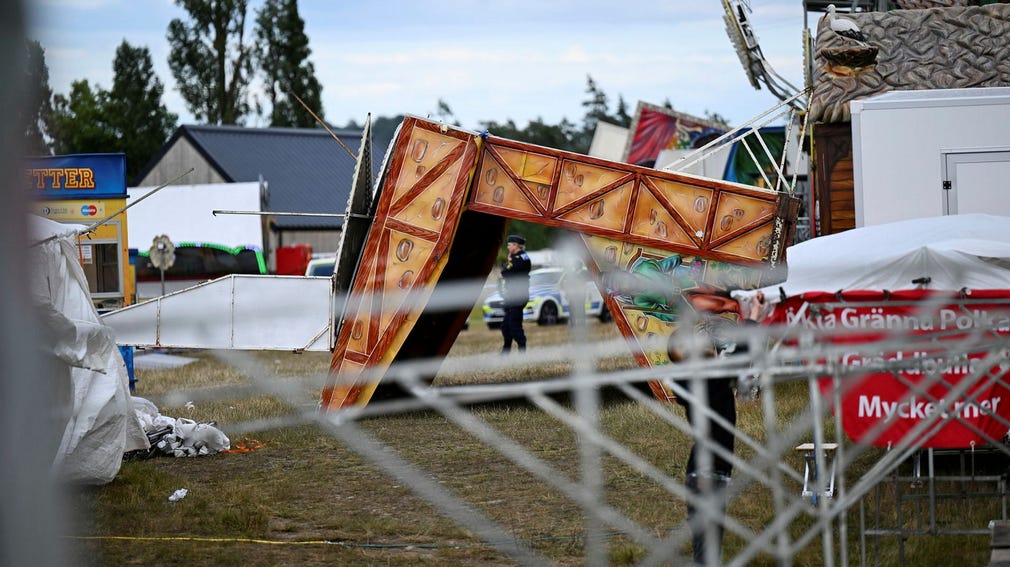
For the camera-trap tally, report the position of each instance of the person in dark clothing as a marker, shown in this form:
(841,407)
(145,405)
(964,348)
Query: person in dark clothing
(515,283)
(717,318)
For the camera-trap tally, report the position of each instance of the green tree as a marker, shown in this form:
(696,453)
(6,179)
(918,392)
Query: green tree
(130,118)
(717,118)
(538,236)
(621,116)
(596,105)
(445,114)
(211,61)
(80,121)
(383,130)
(36,121)
(562,136)
(282,50)
(134,108)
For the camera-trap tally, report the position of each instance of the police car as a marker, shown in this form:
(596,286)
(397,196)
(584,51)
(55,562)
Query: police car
(548,303)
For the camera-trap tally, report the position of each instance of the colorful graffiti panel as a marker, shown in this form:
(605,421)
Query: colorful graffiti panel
(646,290)
(656,128)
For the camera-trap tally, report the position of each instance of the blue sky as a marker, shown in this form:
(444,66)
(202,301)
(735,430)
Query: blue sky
(488,59)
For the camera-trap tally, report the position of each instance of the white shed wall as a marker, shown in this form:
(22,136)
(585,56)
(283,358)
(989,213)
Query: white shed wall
(176,161)
(608,141)
(899,139)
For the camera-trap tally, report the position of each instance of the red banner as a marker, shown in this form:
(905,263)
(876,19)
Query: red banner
(938,359)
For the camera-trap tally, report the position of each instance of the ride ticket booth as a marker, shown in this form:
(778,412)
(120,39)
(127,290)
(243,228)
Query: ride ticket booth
(85,189)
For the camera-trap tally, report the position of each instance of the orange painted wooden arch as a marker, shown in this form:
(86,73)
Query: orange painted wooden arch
(443,199)
(677,212)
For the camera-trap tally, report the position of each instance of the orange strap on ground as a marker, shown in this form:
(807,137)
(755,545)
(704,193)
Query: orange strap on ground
(246,445)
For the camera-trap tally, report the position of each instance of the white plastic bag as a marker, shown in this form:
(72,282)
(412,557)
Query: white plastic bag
(198,436)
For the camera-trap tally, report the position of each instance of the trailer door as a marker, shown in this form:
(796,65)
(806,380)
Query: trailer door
(976,182)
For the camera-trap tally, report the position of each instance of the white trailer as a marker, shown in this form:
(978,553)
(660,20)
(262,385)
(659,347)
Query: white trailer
(927,153)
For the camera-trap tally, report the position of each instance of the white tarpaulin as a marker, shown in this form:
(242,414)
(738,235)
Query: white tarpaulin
(102,425)
(954,252)
(184,213)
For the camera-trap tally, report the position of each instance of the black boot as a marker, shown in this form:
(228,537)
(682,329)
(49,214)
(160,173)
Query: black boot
(712,488)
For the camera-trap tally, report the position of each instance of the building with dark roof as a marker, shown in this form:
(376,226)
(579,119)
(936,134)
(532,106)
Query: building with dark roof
(302,170)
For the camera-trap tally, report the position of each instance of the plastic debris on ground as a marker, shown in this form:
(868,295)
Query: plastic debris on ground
(176,437)
(178,495)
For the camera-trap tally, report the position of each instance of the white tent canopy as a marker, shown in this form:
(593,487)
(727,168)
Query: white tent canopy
(93,383)
(954,252)
(44,229)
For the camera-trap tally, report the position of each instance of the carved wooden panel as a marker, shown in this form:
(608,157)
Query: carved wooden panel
(676,212)
(704,235)
(415,223)
(938,48)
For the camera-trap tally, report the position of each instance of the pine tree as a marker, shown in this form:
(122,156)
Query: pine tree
(717,118)
(211,61)
(141,122)
(445,113)
(40,109)
(596,105)
(563,136)
(283,56)
(130,118)
(596,110)
(621,114)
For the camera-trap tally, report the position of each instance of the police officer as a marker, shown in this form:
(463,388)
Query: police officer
(515,274)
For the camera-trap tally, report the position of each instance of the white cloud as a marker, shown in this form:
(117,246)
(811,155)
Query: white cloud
(518,59)
(575,54)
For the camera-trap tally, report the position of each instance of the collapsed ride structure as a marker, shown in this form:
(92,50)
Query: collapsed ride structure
(439,217)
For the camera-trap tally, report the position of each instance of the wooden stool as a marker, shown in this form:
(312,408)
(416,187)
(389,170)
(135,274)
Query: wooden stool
(810,473)
(1000,545)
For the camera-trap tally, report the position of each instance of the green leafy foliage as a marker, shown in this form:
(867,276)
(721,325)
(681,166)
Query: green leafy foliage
(211,60)
(140,120)
(282,50)
(563,136)
(80,123)
(129,118)
(213,63)
(35,121)
(566,135)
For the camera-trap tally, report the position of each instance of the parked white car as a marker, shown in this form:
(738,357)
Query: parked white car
(321,266)
(548,303)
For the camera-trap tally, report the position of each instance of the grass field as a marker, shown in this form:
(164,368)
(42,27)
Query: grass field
(306,498)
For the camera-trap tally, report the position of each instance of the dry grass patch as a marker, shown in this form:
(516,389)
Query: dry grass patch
(307,499)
